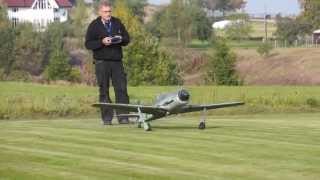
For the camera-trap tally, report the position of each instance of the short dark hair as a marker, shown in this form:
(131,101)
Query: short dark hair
(104,3)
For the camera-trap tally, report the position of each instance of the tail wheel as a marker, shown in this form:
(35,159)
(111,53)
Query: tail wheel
(147,126)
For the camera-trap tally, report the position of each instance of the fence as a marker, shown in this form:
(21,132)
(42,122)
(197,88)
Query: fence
(308,42)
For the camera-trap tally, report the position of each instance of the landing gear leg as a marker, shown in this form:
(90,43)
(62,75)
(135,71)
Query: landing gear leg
(202,124)
(147,126)
(142,121)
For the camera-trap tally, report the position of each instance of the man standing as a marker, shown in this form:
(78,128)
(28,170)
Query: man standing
(105,37)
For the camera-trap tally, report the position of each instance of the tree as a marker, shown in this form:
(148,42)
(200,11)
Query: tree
(29,49)
(78,21)
(200,24)
(20,50)
(7,60)
(240,28)
(182,20)
(221,66)
(4,22)
(311,13)
(59,67)
(289,29)
(7,43)
(153,25)
(136,7)
(223,5)
(56,60)
(176,21)
(144,62)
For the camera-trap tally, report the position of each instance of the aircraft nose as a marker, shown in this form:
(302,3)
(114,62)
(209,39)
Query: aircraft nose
(183,95)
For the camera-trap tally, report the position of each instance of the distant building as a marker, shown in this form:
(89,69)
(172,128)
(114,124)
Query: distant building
(221,24)
(316,36)
(226,23)
(38,12)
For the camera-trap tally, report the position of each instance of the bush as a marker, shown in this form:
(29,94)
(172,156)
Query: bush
(221,66)
(19,76)
(312,102)
(59,67)
(75,75)
(264,49)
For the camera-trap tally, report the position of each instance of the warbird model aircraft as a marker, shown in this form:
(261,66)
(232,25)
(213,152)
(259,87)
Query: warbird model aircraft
(166,104)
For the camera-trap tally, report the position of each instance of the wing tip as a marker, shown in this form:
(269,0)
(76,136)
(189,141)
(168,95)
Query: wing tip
(236,103)
(96,104)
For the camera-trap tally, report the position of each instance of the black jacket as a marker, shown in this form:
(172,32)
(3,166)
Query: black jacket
(96,32)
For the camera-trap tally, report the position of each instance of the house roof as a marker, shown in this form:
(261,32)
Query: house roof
(28,3)
(19,3)
(316,31)
(64,3)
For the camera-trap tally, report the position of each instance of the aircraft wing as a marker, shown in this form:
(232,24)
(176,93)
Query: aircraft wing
(133,108)
(194,108)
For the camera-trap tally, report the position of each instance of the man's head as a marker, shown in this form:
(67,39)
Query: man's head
(105,10)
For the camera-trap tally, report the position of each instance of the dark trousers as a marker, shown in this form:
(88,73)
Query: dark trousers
(114,70)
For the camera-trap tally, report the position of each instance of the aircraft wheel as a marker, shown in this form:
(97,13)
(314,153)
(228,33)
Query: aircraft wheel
(202,125)
(147,127)
(139,125)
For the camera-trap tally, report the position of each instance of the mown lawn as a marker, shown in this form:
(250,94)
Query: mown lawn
(259,147)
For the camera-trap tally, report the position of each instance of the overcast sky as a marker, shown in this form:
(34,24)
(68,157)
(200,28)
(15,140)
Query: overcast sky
(287,7)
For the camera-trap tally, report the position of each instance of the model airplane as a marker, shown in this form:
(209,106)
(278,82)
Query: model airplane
(166,104)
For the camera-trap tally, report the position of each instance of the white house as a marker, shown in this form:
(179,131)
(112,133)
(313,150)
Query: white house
(39,12)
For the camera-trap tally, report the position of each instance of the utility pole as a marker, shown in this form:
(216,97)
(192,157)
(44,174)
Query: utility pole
(265,23)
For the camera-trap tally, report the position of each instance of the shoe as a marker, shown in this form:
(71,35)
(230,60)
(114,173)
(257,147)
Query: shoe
(107,123)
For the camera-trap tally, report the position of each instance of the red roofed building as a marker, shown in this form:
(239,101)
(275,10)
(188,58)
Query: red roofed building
(39,12)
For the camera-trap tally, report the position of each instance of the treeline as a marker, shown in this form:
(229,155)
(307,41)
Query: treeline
(58,52)
(175,26)
(293,29)
(27,54)
(181,22)
(190,19)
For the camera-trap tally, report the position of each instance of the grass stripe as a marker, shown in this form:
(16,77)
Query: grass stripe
(235,147)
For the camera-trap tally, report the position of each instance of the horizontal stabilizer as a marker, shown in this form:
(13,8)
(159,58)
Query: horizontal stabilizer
(133,108)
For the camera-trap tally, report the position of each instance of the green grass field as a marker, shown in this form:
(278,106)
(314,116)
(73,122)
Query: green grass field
(259,147)
(258,29)
(27,100)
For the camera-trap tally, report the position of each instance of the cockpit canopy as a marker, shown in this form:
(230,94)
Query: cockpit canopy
(183,95)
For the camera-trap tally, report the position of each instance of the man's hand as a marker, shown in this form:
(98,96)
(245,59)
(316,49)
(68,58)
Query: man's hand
(106,41)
